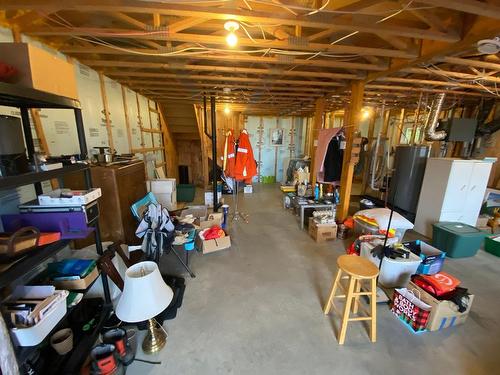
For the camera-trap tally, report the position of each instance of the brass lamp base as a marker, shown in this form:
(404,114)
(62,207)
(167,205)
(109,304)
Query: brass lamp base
(155,339)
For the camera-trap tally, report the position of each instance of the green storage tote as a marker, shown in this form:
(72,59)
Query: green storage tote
(185,192)
(458,240)
(492,246)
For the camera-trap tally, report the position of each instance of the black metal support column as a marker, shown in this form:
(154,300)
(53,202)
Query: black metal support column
(214,152)
(30,145)
(205,117)
(88,183)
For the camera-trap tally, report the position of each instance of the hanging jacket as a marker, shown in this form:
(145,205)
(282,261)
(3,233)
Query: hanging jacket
(333,160)
(229,155)
(245,167)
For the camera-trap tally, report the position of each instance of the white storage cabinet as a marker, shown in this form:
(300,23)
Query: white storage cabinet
(452,190)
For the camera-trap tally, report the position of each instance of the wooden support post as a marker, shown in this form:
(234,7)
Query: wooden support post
(317,124)
(169,148)
(398,131)
(139,122)
(198,110)
(415,123)
(385,124)
(351,127)
(371,131)
(106,113)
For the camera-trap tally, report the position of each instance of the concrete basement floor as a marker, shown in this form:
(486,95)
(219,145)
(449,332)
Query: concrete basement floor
(257,309)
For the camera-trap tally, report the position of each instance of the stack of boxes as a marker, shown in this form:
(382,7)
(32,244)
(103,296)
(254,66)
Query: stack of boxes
(165,192)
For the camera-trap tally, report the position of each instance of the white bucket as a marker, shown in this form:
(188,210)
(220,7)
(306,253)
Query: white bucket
(393,272)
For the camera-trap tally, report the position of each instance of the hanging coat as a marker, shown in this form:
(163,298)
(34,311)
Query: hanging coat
(245,167)
(229,155)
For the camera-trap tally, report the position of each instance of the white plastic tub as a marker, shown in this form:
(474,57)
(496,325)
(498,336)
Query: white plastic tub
(34,335)
(393,272)
(361,227)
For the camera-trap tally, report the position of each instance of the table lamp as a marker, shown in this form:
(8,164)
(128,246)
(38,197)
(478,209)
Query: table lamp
(144,296)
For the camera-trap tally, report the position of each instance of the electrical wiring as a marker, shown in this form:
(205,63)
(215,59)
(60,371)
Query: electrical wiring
(319,9)
(437,70)
(333,11)
(248,34)
(248,5)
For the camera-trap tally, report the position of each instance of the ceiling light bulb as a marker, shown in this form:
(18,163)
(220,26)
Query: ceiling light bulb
(231,25)
(231,39)
(227,110)
(365,113)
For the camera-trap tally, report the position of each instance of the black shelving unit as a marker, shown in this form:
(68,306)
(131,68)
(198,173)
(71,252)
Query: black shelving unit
(24,99)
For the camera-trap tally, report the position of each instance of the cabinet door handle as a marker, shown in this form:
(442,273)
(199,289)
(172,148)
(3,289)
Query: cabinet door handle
(463,187)
(473,187)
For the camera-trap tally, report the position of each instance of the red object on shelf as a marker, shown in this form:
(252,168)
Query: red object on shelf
(7,72)
(48,237)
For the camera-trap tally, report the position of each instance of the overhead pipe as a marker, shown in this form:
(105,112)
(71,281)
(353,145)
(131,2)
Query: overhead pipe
(432,119)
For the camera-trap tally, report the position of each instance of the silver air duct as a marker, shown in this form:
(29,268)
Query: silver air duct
(432,120)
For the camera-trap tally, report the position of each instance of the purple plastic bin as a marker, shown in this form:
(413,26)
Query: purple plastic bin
(71,225)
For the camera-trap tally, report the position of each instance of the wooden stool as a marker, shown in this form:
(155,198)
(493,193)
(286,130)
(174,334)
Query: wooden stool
(356,270)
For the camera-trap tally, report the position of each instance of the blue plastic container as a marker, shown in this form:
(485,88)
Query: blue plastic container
(432,258)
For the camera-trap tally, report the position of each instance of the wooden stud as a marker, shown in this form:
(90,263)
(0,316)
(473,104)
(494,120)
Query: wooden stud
(371,131)
(127,120)
(351,126)
(198,110)
(415,123)
(317,124)
(106,112)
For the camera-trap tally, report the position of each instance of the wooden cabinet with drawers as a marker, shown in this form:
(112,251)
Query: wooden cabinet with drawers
(121,186)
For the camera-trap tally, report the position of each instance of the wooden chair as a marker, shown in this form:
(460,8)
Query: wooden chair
(355,270)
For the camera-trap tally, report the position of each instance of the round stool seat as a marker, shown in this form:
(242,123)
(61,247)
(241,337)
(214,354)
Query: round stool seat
(357,266)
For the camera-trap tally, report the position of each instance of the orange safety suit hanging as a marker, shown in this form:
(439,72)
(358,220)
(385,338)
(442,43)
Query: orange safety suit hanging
(229,155)
(245,167)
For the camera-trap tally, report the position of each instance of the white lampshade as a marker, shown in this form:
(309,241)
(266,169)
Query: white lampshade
(144,295)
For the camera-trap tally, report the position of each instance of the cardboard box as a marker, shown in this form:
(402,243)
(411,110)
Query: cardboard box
(80,284)
(214,218)
(161,186)
(39,69)
(322,232)
(168,200)
(211,246)
(444,314)
(209,197)
(67,197)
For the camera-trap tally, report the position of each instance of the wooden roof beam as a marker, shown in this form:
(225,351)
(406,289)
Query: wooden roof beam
(321,62)
(135,23)
(155,83)
(479,8)
(470,62)
(447,73)
(211,68)
(418,89)
(430,51)
(221,40)
(225,13)
(415,81)
(222,78)
(184,24)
